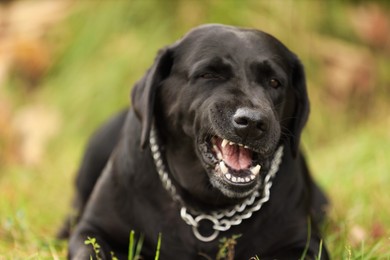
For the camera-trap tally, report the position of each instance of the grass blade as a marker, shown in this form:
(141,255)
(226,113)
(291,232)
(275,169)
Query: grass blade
(158,247)
(320,251)
(131,246)
(308,238)
(139,246)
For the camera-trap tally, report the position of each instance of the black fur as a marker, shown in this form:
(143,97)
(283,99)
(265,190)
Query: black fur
(217,80)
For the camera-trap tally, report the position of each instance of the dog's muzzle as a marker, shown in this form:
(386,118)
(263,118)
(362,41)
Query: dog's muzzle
(221,220)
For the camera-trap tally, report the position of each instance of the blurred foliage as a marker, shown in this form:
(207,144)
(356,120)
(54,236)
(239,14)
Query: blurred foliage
(66,66)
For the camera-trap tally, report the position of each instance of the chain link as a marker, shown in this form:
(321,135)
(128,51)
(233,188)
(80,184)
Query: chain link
(222,220)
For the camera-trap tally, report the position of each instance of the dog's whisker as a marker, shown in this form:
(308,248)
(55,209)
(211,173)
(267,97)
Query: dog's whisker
(287,132)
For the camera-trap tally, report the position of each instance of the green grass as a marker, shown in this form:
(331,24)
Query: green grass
(102,48)
(355,175)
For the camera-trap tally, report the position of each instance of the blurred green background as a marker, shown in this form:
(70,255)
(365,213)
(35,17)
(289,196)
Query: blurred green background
(66,66)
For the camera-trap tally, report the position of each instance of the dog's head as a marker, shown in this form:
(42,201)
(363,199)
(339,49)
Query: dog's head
(223,99)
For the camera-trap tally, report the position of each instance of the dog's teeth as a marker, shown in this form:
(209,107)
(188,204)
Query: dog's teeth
(240,145)
(228,176)
(219,155)
(224,143)
(246,147)
(234,179)
(252,177)
(242,180)
(247,179)
(255,170)
(231,143)
(223,167)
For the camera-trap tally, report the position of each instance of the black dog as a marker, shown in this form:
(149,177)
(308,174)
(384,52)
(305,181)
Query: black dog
(210,149)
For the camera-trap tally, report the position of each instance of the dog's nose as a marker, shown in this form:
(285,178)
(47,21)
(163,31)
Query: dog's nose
(250,123)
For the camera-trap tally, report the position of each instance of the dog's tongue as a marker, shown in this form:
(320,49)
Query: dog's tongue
(237,157)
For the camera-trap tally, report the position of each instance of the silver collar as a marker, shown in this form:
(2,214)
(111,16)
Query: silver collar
(221,220)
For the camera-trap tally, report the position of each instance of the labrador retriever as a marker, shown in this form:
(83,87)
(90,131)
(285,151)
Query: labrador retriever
(209,149)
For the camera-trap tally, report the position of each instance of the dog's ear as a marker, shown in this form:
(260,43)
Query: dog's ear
(302,105)
(144,91)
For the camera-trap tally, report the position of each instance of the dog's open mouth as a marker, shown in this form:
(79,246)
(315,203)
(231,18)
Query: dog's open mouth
(234,168)
(237,163)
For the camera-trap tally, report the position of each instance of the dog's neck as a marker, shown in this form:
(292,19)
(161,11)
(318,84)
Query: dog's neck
(221,220)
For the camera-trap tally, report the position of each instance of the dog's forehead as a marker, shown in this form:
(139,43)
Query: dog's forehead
(221,40)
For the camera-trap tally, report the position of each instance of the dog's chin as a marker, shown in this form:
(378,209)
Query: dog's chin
(234,169)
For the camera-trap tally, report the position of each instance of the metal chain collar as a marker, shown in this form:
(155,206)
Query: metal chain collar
(222,220)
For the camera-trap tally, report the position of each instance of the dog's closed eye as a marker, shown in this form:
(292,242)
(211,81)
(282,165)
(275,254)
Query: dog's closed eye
(211,75)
